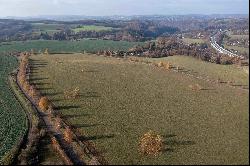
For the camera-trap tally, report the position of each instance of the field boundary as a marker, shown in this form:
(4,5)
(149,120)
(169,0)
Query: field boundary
(32,116)
(72,157)
(189,74)
(86,148)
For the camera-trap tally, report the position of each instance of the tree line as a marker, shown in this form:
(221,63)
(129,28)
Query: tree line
(169,46)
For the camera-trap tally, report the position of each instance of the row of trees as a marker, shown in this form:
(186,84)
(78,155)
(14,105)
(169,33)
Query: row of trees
(43,103)
(169,46)
(29,155)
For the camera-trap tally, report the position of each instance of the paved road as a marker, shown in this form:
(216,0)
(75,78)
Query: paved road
(220,49)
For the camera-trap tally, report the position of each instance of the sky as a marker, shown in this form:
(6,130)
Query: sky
(121,7)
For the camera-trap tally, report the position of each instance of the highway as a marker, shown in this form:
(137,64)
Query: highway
(220,49)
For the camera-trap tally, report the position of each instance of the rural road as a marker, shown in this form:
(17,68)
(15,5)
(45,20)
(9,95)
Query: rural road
(51,128)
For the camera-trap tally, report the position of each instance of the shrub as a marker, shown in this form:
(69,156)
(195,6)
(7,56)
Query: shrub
(72,94)
(43,103)
(66,94)
(68,135)
(26,86)
(226,60)
(50,109)
(167,66)
(32,52)
(196,87)
(46,52)
(160,64)
(151,144)
(33,93)
(58,148)
(58,123)
(21,79)
(42,133)
(230,82)
(76,93)
(94,161)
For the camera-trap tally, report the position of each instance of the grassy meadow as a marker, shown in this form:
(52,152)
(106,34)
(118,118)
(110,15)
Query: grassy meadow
(121,100)
(65,46)
(235,37)
(190,41)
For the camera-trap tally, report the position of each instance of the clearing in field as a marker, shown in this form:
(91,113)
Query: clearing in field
(193,41)
(121,100)
(46,28)
(92,28)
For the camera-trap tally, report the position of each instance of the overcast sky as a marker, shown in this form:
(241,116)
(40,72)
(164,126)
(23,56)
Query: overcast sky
(121,7)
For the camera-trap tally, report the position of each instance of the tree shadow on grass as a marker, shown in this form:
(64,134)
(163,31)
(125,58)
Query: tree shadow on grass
(34,60)
(35,65)
(41,89)
(37,79)
(184,70)
(84,125)
(52,94)
(41,83)
(96,137)
(65,107)
(89,94)
(75,115)
(207,89)
(56,100)
(33,72)
(171,143)
(169,136)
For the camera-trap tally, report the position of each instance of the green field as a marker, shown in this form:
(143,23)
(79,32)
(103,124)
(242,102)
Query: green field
(239,36)
(12,117)
(235,37)
(46,28)
(241,50)
(92,28)
(66,46)
(121,100)
(193,41)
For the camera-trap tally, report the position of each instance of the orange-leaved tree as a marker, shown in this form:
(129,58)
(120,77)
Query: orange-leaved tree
(68,135)
(151,144)
(43,103)
(46,52)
